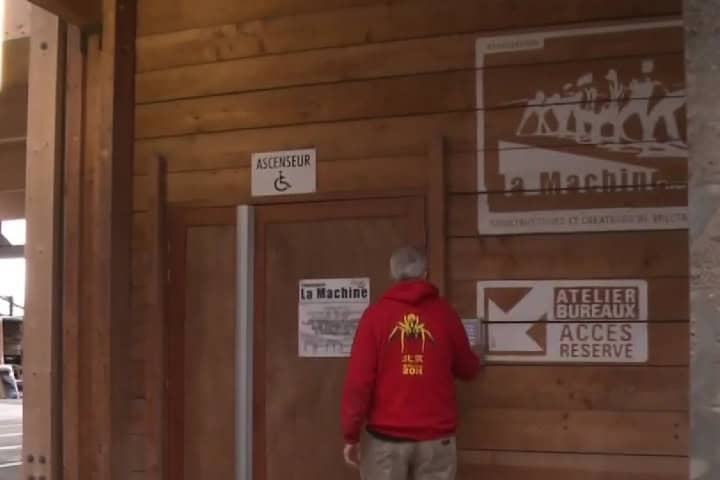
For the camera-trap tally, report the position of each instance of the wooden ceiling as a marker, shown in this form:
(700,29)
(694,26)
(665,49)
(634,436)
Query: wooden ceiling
(82,13)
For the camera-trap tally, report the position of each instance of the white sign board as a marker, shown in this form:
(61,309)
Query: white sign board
(573,321)
(284,173)
(474,330)
(329,311)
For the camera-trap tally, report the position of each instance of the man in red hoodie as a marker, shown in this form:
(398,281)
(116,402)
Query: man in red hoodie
(408,350)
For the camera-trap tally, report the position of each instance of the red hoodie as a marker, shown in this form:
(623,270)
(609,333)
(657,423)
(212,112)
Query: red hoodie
(408,350)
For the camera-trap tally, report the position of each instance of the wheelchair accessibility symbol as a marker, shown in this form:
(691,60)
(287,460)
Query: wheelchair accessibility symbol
(281,184)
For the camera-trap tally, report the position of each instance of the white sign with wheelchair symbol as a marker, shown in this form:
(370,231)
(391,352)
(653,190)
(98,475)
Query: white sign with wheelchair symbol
(284,173)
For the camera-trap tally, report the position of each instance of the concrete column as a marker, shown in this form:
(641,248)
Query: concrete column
(702,26)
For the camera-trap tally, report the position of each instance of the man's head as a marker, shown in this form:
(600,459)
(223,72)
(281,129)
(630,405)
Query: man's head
(408,263)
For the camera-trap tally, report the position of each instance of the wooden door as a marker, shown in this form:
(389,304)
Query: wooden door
(297,400)
(201,344)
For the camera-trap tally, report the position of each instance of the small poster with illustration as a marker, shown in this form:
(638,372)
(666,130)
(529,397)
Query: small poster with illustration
(329,311)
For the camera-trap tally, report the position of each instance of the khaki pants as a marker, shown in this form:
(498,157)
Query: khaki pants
(433,460)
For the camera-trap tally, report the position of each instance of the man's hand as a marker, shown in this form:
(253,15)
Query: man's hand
(352,455)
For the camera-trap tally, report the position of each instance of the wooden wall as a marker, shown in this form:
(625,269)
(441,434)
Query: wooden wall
(13,127)
(370,83)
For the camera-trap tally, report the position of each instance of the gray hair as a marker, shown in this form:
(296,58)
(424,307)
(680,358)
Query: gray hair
(408,263)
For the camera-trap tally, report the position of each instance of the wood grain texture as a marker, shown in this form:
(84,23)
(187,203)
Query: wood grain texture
(559,256)
(382,60)
(12,165)
(546,466)
(15,62)
(209,350)
(42,370)
(598,432)
(251,28)
(572,387)
(14,105)
(311,104)
(385,137)
(72,253)
(12,205)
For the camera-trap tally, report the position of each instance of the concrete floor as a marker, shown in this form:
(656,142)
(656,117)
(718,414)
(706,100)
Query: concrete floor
(10,439)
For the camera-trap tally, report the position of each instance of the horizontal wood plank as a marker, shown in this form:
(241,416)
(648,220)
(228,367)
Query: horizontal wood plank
(167,16)
(419,56)
(668,299)
(546,466)
(232,186)
(557,256)
(194,38)
(386,97)
(385,137)
(579,431)
(614,388)
(308,68)
(313,104)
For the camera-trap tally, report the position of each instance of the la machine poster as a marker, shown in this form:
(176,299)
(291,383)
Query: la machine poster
(582,130)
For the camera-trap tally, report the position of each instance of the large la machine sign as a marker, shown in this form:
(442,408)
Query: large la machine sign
(580,145)
(574,321)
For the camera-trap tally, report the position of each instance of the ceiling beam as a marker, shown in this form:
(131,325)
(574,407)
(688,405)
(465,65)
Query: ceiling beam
(83,13)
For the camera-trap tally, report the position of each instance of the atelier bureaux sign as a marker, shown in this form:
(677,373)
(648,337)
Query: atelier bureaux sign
(565,321)
(285,172)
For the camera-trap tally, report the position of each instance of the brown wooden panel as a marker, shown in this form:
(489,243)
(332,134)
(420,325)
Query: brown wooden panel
(389,59)
(582,431)
(12,166)
(556,256)
(15,62)
(14,110)
(230,37)
(385,137)
(164,16)
(616,388)
(310,67)
(668,298)
(321,103)
(142,230)
(209,349)
(463,208)
(546,466)
(232,187)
